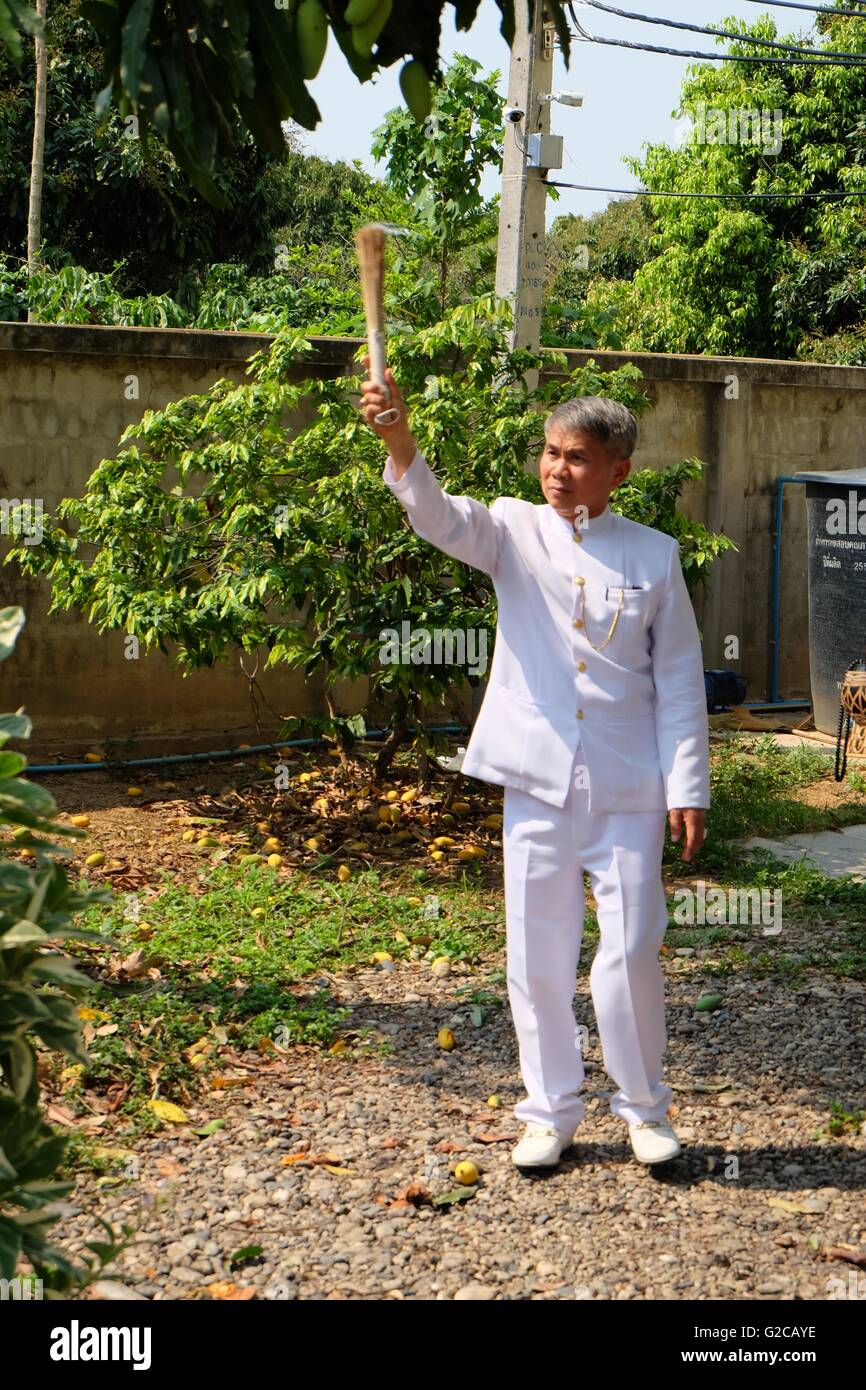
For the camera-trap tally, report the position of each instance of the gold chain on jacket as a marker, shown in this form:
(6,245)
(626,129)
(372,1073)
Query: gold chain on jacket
(601,645)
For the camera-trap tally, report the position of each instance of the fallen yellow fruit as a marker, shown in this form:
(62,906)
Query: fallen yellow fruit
(471,852)
(461,807)
(92,758)
(264,826)
(81,821)
(381,955)
(313,844)
(189,835)
(392,796)
(134,791)
(409,795)
(258,912)
(275,861)
(446,1039)
(444,842)
(466,1172)
(494,1102)
(344,873)
(492,822)
(437,855)
(272,844)
(94,860)
(414,902)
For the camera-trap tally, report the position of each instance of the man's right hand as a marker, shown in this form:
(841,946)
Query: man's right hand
(376,399)
(397,436)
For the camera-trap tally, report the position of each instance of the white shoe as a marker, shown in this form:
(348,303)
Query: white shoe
(653,1141)
(541,1146)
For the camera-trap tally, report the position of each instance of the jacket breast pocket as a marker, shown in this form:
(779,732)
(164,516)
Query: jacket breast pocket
(627,611)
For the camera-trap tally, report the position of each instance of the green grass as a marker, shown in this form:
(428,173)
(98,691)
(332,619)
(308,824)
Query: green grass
(228,977)
(753,786)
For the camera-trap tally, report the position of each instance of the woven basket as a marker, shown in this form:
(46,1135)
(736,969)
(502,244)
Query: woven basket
(853,696)
(853,700)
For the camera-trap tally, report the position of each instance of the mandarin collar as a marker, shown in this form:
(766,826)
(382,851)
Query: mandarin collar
(593,526)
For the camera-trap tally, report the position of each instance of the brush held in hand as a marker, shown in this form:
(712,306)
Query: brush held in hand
(371,259)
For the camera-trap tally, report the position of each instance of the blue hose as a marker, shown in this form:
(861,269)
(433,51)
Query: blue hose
(222,752)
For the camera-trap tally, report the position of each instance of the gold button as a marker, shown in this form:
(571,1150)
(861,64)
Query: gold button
(578,537)
(579,579)
(578,623)
(581,666)
(580,714)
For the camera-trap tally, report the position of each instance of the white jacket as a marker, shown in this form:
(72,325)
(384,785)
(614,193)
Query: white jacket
(638,706)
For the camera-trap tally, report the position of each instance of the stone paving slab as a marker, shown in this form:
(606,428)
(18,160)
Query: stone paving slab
(835,852)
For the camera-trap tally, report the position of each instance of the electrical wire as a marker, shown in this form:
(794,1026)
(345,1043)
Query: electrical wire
(721,33)
(714,57)
(813,9)
(649,193)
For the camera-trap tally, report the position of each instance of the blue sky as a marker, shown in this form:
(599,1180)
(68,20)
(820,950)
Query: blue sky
(628,97)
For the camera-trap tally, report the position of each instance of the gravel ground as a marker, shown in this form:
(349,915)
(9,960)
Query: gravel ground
(745,1212)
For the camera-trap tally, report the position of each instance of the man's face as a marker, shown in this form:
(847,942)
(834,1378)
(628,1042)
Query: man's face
(577,470)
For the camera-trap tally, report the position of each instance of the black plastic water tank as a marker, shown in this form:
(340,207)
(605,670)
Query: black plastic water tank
(836,510)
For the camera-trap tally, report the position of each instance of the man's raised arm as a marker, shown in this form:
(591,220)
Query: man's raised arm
(459,526)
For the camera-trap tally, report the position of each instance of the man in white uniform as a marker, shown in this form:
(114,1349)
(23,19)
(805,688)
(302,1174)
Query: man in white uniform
(595,722)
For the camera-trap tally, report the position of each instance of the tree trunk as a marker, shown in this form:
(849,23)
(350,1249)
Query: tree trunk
(37,165)
(385,756)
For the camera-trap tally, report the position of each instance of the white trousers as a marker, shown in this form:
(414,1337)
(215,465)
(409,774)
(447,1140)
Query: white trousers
(546,850)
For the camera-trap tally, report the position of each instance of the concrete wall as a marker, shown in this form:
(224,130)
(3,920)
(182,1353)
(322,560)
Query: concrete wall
(63,407)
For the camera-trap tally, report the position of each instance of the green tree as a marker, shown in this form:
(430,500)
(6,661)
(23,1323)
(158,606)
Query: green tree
(587,259)
(439,166)
(777,278)
(111,201)
(202,73)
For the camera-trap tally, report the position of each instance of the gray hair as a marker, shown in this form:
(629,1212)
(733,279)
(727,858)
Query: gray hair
(611,423)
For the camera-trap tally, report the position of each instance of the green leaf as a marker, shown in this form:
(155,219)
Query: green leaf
(23,933)
(279,52)
(10,1246)
(134,45)
(14,726)
(11,622)
(11,764)
(455,1194)
(205,1131)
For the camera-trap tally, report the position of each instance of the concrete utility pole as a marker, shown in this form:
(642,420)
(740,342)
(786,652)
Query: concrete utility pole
(520,259)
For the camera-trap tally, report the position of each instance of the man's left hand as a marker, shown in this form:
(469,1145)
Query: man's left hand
(694,818)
